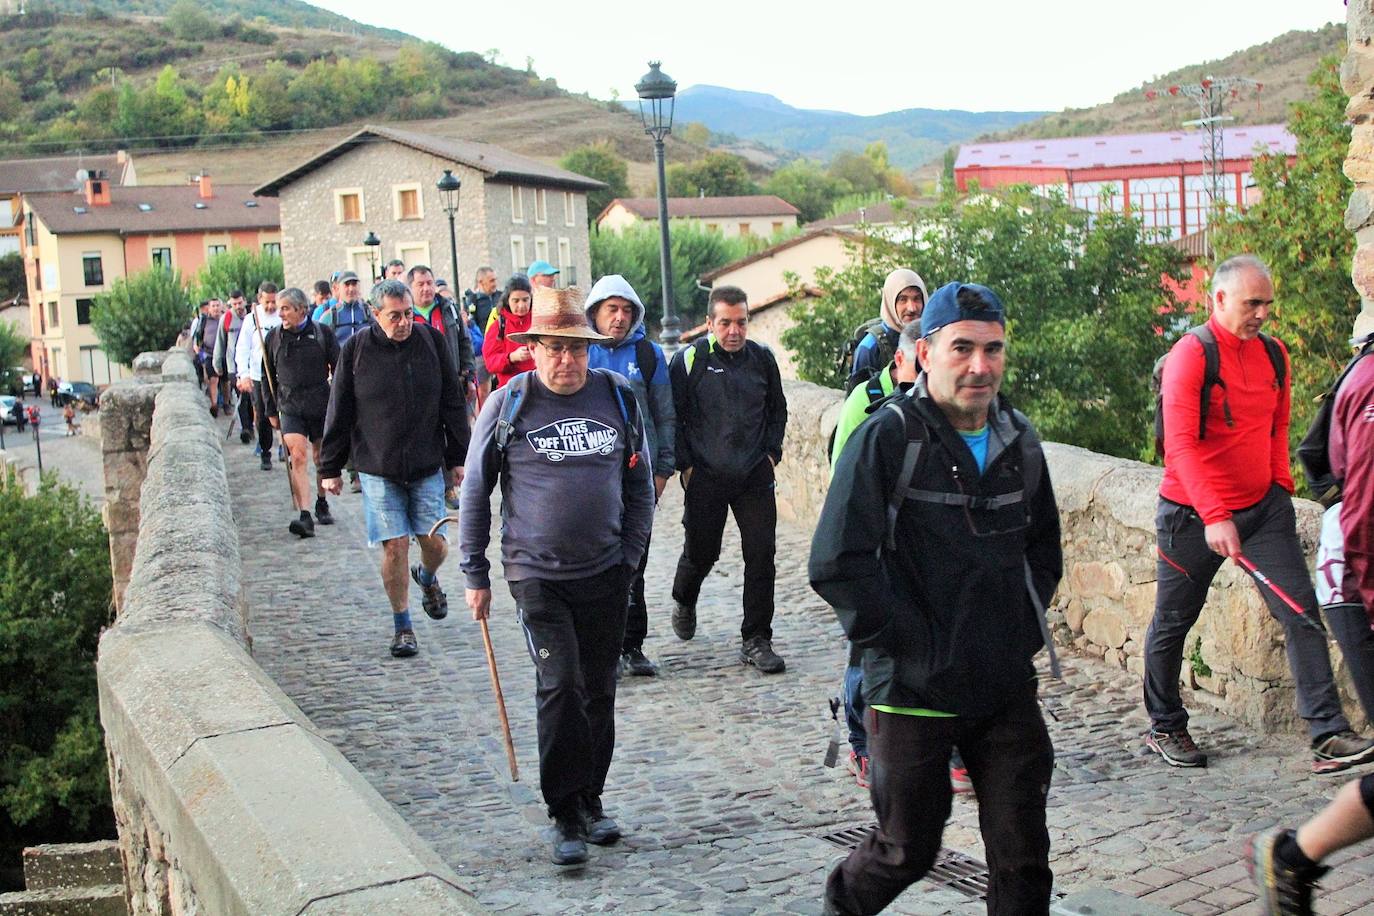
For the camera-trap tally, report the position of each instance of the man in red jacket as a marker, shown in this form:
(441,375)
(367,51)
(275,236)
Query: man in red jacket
(1227,490)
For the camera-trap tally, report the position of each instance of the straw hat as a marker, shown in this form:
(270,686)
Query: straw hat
(559,313)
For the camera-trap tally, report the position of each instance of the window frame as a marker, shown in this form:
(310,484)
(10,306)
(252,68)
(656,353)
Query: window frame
(541,206)
(339,215)
(518,261)
(84,304)
(517,204)
(569,209)
(86,273)
(396,191)
(215,249)
(154,258)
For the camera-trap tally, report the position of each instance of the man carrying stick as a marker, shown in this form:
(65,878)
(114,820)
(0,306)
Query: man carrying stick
(577,506)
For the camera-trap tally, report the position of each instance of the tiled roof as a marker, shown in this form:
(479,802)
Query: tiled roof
(1123,149)
(809,291)
(884,211)
(56,173)
(151,208)
(1193,245)
(806,236)
(493,161)
(706,207)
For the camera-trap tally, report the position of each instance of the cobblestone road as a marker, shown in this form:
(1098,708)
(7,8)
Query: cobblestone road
(717,776)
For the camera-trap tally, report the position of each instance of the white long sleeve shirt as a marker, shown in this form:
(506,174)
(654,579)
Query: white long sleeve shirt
(248,352)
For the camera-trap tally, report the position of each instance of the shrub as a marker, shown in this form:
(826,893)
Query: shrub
(141,312)
(240,268)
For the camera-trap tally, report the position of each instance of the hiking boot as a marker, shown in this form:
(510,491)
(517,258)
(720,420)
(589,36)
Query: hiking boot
(433,599)
(959,781)
(303,527)
(214,411)
(403,644)
(322,513)
(1177,748)
(684,620)
(245,437)
(858,765)
(1341,751)
(633,661)
(266,463)
(1283,889)
(569,840)
(601,829)
(759,653)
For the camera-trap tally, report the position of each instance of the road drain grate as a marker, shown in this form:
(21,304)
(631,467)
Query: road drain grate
(952,869)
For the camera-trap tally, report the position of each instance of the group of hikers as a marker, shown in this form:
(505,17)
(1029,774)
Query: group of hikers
(938,546)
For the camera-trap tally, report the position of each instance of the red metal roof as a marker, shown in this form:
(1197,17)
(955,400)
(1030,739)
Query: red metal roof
(1123,149)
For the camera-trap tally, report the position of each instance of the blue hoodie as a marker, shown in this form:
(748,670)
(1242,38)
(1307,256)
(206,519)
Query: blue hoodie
(655,395)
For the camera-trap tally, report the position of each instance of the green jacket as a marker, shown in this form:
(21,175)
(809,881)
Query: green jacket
(857,407)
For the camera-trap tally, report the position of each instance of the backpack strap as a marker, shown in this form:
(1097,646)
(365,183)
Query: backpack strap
(1211,378)
(647,359)
(516,391)
(915,442)
(629,413)
(694,360)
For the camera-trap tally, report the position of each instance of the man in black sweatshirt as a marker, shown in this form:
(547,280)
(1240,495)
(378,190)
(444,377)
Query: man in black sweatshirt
(731,416)
(397,410)
(298,356)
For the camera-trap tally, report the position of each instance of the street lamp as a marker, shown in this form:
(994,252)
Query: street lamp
(372,243)
(658,90)
(448,185)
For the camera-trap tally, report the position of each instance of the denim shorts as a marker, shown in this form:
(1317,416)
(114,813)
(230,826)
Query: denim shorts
(397,510)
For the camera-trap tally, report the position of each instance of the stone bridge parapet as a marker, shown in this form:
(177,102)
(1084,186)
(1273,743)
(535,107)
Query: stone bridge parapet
(226,798)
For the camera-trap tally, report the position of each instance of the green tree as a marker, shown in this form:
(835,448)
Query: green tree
(808,187)
(186,20)
(13,346)
(53,778)
(599,161)
(717,174)
(144,311)
(1084,299)
(12,282)
(237,268)
(634,254)
(1297,227)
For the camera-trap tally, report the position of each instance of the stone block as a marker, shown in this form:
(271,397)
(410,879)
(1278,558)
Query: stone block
(1359,210)
(72,865)
(1074,613)
(1076,473)
(1359,162)
(1102,902)
(418,896)
(1359,21)
(107,900)
(1095,578)
(1105,628)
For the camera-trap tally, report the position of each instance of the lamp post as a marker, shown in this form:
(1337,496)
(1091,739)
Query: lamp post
(373,243)
(657,93)
(448,186)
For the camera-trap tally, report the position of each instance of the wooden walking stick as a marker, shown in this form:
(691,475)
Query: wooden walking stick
(495,678)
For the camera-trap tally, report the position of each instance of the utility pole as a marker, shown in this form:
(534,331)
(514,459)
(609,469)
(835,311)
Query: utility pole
(1211,95)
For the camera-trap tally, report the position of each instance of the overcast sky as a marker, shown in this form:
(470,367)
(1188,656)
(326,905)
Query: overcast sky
(862,56)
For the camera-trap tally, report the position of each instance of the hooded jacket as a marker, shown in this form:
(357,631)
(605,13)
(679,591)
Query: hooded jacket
(946,618)
(868,359)
(497,347)
(300,361)
(655,395)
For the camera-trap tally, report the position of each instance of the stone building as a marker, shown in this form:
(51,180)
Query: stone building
(511,209)
(764,215)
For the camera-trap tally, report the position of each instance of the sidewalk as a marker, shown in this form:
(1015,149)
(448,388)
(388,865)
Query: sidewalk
(717,778)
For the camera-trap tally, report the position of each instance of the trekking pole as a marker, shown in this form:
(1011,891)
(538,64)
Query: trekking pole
(1282,595)
(495,677)
(272,389)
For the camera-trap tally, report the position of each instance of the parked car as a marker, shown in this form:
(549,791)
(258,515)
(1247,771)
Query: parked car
(10,408)
(83,392)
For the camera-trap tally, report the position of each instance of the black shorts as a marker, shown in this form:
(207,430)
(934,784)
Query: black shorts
(311,428)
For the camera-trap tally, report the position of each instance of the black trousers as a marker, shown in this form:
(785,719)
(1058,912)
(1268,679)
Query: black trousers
(1010,760)
(260,417)
(245,404)
(573,630)
(706,502)
(637,619)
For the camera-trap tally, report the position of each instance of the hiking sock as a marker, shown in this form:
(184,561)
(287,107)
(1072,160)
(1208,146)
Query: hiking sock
(1288,850)
(425,576)
(402,620)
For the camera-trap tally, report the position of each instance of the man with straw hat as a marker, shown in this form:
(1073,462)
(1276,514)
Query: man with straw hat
(577,504)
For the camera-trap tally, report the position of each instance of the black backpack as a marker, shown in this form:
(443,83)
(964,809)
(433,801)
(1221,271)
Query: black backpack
(1211,377)
(1312,451)
(873,327)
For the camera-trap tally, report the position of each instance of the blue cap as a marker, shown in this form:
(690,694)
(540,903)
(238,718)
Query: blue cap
(540,269)
(944,307)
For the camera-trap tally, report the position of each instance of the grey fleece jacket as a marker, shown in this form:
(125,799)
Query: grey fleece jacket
(655,395)
(570,506)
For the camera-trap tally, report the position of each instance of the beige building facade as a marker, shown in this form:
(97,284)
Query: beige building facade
(511,211)
(761,215)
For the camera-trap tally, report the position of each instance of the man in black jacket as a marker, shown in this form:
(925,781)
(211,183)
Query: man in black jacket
(396,408)
(938,548)
(299,356)
(731,416)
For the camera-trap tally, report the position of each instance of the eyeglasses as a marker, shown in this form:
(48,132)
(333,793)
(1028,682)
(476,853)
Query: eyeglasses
(559,350)
(397,317)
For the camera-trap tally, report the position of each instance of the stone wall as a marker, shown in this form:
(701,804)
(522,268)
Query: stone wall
(1106,598)
(226,798)
(1357,79)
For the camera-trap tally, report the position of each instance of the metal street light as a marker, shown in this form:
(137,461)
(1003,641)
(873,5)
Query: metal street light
(659,91)
(448,186)
(373,244)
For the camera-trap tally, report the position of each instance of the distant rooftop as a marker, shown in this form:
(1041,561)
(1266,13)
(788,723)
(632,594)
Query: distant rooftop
(1123,149)
(59,173)
(162,208)
(706,207)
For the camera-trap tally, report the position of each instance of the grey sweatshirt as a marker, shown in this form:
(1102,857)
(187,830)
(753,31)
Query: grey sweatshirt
(569,506)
